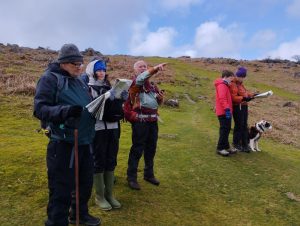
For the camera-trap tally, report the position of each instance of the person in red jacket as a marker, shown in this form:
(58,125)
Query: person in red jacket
(240,98)
(224,111)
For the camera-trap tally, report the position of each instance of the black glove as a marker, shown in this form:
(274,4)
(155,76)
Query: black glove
(75,111)
(247,99)
(72,123)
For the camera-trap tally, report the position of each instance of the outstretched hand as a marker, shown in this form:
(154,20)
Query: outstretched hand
(160,67)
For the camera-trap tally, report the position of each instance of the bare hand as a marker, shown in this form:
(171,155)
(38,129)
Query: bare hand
(160,67)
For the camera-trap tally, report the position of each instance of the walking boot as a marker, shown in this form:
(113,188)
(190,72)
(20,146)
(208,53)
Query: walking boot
(109,185)
(237,147)
(87,220)
(152,180)
(133,184)
(246,148)
(99,188)
(223,152)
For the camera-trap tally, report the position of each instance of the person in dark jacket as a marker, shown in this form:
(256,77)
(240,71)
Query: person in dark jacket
(224,111)
(145,98)
(60,100)
(106,142)
(240,98)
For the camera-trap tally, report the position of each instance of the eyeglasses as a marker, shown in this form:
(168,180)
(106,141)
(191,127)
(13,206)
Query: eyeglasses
(77,64)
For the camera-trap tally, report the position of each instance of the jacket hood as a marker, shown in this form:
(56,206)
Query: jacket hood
(219,81)
(90,72)
(90,69)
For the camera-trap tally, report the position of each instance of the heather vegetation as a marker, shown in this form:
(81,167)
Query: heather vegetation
(197,186)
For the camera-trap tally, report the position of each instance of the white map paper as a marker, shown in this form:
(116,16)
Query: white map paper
(96,107)
(265,94)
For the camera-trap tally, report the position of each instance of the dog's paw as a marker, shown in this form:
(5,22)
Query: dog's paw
(253,150)
(258,149)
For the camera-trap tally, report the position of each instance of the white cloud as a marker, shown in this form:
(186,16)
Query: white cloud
(294,9)
(179,4)
(158,43)
(263,39)
(286,50)
(102,25)
(211,40)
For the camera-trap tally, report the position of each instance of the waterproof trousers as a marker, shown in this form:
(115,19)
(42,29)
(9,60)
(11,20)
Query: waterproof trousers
(225,126)
(61,181)
(105,150)
(240,131)
(144,140)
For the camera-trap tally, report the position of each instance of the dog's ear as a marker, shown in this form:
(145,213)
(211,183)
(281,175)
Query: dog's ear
(268,125)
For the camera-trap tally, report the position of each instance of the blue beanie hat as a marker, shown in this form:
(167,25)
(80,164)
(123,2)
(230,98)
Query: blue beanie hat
(99,65)
(241,72)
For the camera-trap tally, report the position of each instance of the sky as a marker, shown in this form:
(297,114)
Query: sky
(239,29)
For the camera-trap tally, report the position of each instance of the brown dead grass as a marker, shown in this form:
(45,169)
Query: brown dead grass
(285,120)
(18,84)
(20,70)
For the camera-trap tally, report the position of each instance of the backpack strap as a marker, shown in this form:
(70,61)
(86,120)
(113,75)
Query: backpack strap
(62,82)
(85,85)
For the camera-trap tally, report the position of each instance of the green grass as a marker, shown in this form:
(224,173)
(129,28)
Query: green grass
(197,186)
(278,91)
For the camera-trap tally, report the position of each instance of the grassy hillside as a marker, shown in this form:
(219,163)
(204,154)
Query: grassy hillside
(197,186)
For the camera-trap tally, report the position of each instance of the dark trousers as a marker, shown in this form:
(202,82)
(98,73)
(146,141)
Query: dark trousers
(240,132)
(144,140)
(105,150)
(61,181)
(225,126)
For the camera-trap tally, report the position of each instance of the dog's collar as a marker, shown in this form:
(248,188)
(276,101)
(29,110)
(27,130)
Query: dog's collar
(260,128)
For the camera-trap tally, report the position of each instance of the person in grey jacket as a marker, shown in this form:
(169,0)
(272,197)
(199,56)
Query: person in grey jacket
(106,141)
(142,111)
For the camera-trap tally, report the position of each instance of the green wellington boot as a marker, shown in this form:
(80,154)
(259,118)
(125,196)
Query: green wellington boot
(109,184)
(99,188)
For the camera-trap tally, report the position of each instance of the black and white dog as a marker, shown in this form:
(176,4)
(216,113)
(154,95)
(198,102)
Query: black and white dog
(255,133)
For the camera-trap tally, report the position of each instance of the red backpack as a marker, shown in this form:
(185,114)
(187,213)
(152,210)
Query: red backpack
(132,103)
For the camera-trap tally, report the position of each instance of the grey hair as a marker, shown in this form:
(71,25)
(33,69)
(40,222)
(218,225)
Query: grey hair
(137,63)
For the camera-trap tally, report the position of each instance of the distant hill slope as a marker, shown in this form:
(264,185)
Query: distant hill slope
(20,68)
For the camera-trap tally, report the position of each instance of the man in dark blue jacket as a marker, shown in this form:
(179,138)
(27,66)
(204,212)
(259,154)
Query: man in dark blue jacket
(60,101)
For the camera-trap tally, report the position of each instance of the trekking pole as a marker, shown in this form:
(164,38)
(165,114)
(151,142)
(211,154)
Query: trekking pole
(76,174)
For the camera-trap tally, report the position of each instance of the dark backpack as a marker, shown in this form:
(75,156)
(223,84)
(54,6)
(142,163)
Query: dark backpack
(62,83)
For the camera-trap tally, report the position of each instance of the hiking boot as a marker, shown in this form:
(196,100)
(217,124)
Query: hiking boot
(232,150)
(134,185)
(87,220)
(237,147)
(223,152)
(246,149)
(152,180)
